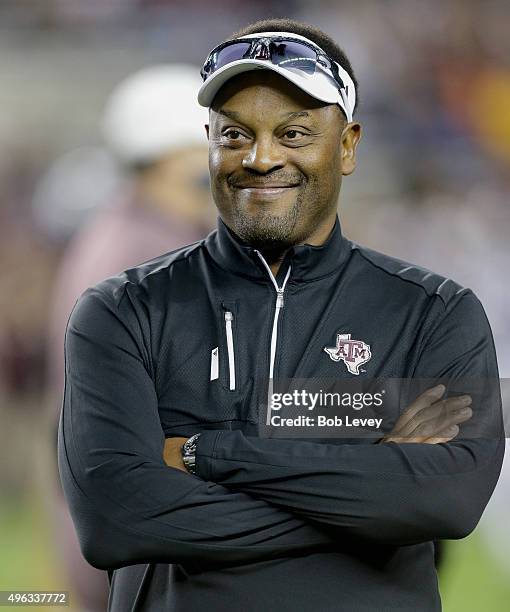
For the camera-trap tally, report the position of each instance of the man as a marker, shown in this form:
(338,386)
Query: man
(184,348)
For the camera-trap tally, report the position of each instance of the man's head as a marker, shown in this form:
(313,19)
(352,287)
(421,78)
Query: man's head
(277,149)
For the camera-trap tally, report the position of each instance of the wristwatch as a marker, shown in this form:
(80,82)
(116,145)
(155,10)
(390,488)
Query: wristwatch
(188,451)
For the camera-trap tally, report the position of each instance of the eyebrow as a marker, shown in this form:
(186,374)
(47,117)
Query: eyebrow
(236,117)
(295,115)
(230,114)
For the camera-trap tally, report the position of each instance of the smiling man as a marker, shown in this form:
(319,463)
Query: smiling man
(170,485)
(276,168)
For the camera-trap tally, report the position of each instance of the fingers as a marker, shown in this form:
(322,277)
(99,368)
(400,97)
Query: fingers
(445,436)
(437,417)
(454,413)
(431,420)
(422,401)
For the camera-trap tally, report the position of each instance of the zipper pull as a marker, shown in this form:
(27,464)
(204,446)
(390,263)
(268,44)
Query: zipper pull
(279,299)
(229,317)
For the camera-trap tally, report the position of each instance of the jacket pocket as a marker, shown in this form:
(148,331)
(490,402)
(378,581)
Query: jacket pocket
(204,378)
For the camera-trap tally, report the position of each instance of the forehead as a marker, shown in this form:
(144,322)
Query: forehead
(263,88)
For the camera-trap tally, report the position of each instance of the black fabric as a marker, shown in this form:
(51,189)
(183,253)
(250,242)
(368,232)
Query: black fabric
(282,525)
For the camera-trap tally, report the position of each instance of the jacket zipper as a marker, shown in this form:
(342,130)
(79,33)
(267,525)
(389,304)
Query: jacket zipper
(274,334)
(229,317)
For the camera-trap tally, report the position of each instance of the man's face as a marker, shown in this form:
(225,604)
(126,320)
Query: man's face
(276,159)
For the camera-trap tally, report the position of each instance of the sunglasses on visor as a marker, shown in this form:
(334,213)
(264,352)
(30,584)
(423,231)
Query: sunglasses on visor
(281,51)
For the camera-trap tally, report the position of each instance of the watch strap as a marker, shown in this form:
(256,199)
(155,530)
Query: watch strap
(189,449)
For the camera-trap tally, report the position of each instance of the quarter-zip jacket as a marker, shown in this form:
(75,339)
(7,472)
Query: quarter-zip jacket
(189,342)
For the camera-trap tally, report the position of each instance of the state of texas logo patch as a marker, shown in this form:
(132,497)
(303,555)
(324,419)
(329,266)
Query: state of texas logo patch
(354,353)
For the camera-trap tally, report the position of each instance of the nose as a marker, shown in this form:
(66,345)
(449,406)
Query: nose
(264,156)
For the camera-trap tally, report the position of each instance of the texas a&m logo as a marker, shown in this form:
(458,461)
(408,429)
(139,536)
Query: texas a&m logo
(354,353)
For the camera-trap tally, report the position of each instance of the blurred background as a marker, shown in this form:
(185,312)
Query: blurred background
(80,200)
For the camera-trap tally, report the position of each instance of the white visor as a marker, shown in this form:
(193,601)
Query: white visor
(319,85)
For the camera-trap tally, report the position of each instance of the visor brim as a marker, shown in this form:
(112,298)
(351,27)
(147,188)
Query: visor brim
(316,85)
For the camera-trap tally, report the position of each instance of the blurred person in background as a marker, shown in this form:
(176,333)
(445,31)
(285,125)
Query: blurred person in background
(155,128)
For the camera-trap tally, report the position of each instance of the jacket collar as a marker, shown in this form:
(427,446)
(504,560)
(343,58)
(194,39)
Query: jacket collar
(308,262)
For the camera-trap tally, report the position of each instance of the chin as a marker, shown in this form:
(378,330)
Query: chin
(264,222)
(266,230)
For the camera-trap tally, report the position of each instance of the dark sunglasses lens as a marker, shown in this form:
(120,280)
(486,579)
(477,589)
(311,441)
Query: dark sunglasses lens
(229,54)
(294,55)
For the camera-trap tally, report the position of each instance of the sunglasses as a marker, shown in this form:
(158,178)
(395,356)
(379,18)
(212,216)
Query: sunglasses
(286,52)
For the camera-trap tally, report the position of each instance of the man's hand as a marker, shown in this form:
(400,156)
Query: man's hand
(172,453)
(430,420)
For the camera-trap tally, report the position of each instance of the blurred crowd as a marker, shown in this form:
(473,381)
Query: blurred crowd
(84,193)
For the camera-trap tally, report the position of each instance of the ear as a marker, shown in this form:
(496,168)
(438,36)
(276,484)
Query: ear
(351,135)
(207,130)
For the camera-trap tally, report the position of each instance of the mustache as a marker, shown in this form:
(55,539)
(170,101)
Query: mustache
(277,179)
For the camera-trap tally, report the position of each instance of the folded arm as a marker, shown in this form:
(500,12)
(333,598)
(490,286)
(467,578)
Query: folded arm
(391,493)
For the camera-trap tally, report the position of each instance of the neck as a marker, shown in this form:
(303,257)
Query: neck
(274,262)
(320,234)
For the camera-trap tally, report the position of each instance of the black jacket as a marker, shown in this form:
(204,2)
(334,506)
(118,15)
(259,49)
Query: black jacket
(267,524)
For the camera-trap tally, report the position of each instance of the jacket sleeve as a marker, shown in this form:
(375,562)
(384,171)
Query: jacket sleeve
(391,493)
(127,505)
